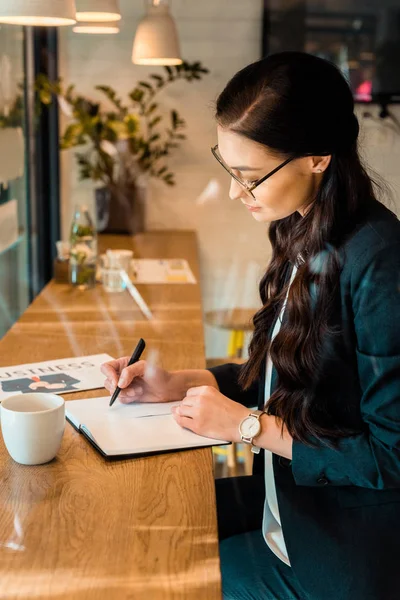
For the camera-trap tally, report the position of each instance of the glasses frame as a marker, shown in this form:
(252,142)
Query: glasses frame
(253,186)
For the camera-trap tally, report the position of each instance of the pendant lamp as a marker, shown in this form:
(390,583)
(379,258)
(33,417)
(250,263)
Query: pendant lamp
(156,40)
(97,10)
(51,13)
(96,27)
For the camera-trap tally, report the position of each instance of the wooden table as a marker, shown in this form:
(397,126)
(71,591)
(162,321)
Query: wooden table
(233,319)
(84,528)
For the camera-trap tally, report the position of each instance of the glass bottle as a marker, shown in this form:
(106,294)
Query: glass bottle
(83,252)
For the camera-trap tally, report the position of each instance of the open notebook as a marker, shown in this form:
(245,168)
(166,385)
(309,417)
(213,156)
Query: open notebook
(132,429)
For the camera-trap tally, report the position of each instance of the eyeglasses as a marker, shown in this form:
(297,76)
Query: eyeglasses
(249,186)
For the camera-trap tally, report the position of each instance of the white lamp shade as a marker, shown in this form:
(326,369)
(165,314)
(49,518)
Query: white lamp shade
(156,40)
(97,10)
(96,27)
(38,12)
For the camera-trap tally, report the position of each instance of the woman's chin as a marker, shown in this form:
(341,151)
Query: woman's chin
(262,216)
(267,215)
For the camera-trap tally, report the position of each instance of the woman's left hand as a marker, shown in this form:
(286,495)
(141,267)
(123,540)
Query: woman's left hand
(207,412)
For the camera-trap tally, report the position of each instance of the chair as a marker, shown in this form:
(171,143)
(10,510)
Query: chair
(238,321)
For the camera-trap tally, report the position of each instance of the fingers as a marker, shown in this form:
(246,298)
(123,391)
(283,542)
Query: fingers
(120,374)
(184,410)
(185,422)
(109,385)
(130,394)
(198,391)
(113,368)
(129,373)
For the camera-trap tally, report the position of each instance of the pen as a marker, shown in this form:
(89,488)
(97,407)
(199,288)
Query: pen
(137,353)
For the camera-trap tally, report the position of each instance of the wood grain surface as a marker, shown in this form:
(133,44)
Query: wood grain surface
(82,527)
(234,319)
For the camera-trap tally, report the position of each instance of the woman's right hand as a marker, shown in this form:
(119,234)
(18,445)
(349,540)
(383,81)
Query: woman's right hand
(142,382)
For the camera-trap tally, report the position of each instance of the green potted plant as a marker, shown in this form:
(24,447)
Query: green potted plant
(124,144)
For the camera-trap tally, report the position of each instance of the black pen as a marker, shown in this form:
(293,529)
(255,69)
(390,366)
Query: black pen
(137,353)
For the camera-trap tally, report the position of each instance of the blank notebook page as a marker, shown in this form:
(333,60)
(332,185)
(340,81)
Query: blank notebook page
(132,428)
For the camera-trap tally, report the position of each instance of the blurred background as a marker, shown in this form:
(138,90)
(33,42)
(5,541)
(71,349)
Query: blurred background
(157,125)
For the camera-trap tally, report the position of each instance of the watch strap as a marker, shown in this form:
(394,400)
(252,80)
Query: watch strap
(247,440)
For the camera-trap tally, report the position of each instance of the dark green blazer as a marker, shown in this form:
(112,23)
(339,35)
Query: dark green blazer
(340,508)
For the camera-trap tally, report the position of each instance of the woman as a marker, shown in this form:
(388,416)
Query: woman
(320,517)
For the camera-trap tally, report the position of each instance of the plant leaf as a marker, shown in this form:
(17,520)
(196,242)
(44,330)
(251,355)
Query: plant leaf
(145,85)
(72,136)
(158,79)
(154,122)
(136,95)
(151,109)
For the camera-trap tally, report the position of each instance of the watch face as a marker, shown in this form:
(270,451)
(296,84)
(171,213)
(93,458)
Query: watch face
(250,427)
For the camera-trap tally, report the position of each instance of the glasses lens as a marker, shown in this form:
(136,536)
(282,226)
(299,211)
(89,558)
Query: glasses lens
(236,177)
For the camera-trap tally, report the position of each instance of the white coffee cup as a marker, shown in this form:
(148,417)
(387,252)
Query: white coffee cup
(33,427)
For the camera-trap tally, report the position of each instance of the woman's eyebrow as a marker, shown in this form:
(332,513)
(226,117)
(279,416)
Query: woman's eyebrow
(244,168)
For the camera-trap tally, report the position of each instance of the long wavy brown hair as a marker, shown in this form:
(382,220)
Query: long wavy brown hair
(296,104)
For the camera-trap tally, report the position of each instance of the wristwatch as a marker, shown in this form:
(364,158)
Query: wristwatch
(250,428)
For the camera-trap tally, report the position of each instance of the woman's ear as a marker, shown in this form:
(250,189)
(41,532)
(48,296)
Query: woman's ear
(319,164)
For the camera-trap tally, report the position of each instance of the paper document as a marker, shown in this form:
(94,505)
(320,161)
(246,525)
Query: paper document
(148,270)
(62,376)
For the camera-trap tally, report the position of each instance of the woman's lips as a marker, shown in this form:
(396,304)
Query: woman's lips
(252,208)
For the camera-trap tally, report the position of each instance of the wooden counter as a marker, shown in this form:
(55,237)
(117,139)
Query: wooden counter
(84,528)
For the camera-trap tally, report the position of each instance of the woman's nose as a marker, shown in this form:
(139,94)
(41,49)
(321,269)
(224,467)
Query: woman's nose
(236,191)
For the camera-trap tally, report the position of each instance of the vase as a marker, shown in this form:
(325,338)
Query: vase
(83,250)
(121,209)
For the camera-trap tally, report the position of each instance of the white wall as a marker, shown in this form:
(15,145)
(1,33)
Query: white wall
(225,35)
